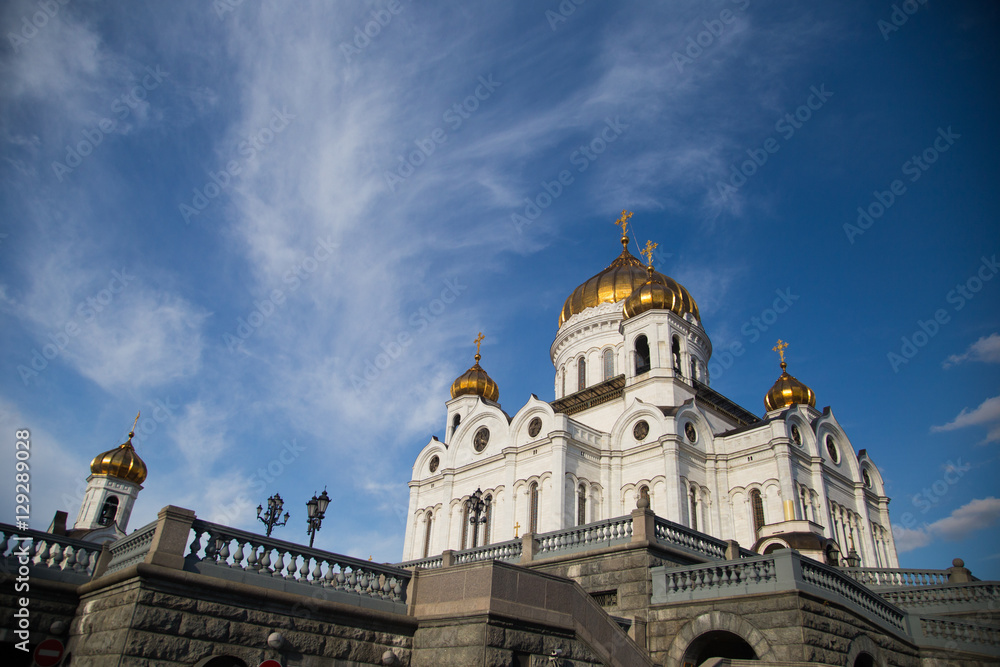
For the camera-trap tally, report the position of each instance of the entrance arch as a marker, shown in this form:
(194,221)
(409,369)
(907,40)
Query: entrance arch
(718,644)
(734,633)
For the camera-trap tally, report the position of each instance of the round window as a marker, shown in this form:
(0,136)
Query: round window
(481,439)
(689,431)
(796,436)
(534,427)
(831,448)
(641,430)
(435,462)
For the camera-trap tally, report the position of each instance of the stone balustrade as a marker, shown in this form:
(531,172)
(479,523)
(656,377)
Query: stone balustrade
(505,551)
(598,534)
(783,570)
(951,634)
(886,577)
(52,557)
(431,563)
(229,553)
(947,598)
(131,549)
(673,534)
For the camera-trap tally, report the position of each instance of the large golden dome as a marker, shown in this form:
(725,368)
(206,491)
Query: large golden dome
(122,462)
(621,279)
(476,381)
(788,391)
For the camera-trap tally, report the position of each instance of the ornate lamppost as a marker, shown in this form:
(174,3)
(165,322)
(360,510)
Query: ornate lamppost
(273,513)
(477,513)
(316,507)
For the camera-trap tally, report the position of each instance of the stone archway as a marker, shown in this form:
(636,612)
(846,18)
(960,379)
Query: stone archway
(864,652)
(730,628)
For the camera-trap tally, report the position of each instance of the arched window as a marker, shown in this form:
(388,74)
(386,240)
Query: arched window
(675,350)
(581,374)
(694,368)
(641,355)
(694,508)
(581,505)
(108,512)
(428,519)
(488,516)
(533,508)
(456,420)
(562,377)
(757,507)
(609,364)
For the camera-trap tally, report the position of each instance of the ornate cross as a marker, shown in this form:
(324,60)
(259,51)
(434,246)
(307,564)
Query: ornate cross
(517,527)
(132,430)
(780,349)
(647,252)
(623,221)
(479,339)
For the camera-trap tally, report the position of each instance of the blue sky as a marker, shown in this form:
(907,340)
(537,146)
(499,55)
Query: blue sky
(223,213)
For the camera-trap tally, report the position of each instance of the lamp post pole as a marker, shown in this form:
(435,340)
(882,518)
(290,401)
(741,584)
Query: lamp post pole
(273,513)
(316,509)
(477,511)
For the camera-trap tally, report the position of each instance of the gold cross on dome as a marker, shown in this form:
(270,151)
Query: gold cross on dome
(479,339)
(780,349)
(132,430)
(647,252)
(517,527)
(623,221)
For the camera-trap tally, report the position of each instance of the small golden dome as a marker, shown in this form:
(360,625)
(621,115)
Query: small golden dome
(615,283)
(787,391)
(122,462)
(660,292)
(476,381)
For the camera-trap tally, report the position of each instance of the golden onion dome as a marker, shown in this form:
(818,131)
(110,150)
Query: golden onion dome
(788,391)
(619,280)
(660,292)
(122,462)
(476,381)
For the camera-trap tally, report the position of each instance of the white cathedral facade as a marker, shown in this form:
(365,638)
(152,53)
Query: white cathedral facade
(635,416)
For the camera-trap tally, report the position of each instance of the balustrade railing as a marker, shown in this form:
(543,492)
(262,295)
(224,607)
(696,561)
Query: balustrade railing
(833,580)
(255,559)
(510,550)
(674,534)
(131,549)
(431,563)
(747,574)
(970,595)
(886,577)
(49,556)
(608,532)
(953,633)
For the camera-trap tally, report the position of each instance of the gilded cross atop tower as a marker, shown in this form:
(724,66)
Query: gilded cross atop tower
(623,222)
(132,430)
(780,349)
(479,339)
(647,252)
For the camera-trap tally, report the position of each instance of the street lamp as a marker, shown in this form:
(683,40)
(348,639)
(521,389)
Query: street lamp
(477,511)
(273,513)
(316,507)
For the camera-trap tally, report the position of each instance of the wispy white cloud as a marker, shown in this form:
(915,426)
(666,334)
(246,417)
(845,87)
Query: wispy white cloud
(985,350)
(977,515)
(988,413)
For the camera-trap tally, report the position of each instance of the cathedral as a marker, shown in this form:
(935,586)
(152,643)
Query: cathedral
(635,417)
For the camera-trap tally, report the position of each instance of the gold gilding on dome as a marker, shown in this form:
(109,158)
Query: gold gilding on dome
(658,292)
(122,462)
(475,381)
(787,390)
(619,280)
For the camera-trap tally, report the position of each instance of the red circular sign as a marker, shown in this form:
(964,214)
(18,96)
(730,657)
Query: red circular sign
(48,653)
(270,663)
